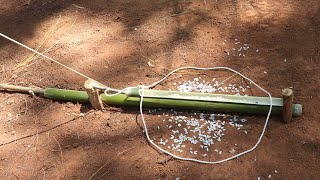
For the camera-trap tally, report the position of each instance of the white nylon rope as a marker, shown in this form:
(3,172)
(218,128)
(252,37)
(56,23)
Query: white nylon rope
(141,92)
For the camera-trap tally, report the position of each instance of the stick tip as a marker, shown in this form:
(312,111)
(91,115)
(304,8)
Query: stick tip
(287,92)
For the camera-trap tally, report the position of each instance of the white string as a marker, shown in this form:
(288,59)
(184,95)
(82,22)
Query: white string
(55,61)
(141,92)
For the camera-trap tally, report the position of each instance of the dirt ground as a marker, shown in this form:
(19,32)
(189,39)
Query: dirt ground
(112,42)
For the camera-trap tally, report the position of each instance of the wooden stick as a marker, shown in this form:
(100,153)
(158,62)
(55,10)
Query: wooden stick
(93,94)
(21,89)
(287,95)
(234,75)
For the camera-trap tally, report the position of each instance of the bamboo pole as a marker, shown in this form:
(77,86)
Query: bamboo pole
(164,102)
(178,100)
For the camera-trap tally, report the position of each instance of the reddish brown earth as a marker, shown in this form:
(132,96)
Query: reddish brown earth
(111,42)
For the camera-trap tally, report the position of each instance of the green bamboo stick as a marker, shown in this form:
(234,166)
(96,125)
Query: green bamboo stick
(66,95)
(171,99)
(132,98)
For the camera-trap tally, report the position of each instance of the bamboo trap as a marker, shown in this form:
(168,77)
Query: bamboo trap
(174,99)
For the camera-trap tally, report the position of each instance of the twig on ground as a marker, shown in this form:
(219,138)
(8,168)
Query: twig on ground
(108,163)
(48,50)
(30,145)
(247,84)
(48,34)
(49,136)
(28,62)
(54,127)
(21,155)
(25,109)
(61,155)
(154,63)
(3,72)
(234,75)
(44,174)
(77,6)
